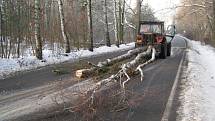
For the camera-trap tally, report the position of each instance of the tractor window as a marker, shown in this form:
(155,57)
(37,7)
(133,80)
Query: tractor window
(150,29)
(171,30)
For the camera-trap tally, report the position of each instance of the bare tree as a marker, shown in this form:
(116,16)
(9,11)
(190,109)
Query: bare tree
(200,14)
(139,3)
(121,6)
(213,33)
(37,30)
(116,27)
(1,33)
(119,16)
(62,21)
(90,25)
(106,24)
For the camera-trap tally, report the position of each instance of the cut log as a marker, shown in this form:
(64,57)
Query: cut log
(128,55)
(83,73)
(139,58)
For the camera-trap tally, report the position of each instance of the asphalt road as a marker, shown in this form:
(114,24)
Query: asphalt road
(154,91)
(149,98)
(151,95)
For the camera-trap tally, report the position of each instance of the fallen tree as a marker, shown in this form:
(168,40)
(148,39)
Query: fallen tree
(83,73)
(120,78)
(133,65)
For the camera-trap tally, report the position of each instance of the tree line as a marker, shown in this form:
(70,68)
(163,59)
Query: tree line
(67,24)
(196,19)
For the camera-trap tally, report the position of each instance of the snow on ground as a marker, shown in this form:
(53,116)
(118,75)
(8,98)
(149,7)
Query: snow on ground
(198,88)
(9,66)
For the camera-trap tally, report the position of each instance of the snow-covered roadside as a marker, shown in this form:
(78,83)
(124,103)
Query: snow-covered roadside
(198,87)
(9,66)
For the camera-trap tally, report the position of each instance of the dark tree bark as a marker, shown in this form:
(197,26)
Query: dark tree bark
(120,32)
(37,30)
(139,2)
(116,24)
(90,25)
(106,25)
(62,21)
(19,29)
(122,22)
(1,34)
(213,29)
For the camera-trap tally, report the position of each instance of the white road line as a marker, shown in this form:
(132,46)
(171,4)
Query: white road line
(172,94)
(179,47)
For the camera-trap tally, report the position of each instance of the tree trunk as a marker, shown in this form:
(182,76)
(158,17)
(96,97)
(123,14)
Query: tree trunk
(37,30)
(90,25)
(213,29)
(3,28)
(138,16)
(9,51)
(106,25)
(1,34)
(19,29)
(47,12)
(116,23)
(62,21)
(122,22)
(83,73)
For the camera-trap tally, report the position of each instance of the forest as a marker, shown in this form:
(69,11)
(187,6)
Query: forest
(30,26)
(196,20)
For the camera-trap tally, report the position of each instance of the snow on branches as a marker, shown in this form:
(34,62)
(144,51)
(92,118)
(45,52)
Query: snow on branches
(132,65)
(86,72)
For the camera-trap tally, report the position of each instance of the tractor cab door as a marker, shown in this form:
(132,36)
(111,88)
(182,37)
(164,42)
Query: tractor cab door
(171,31)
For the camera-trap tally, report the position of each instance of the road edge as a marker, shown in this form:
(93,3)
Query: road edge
(169,104)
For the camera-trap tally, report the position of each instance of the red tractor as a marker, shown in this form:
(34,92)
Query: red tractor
(153,33)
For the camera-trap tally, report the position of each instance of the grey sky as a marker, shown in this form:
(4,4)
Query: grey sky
(161,7)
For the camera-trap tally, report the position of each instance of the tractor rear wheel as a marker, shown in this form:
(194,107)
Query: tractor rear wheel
(169,46)
(163,52)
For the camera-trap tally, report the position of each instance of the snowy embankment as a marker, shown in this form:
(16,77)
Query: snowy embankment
(198,87)
(9,66)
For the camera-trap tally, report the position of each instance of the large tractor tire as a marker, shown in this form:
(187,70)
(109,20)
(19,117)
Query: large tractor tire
(163,52)
(169,46)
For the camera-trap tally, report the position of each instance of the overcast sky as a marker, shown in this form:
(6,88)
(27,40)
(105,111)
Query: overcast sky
(161,8)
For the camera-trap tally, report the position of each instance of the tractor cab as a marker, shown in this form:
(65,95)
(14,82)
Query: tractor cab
(150,33)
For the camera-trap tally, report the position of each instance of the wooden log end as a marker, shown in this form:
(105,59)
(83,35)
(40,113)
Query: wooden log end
(83,73)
